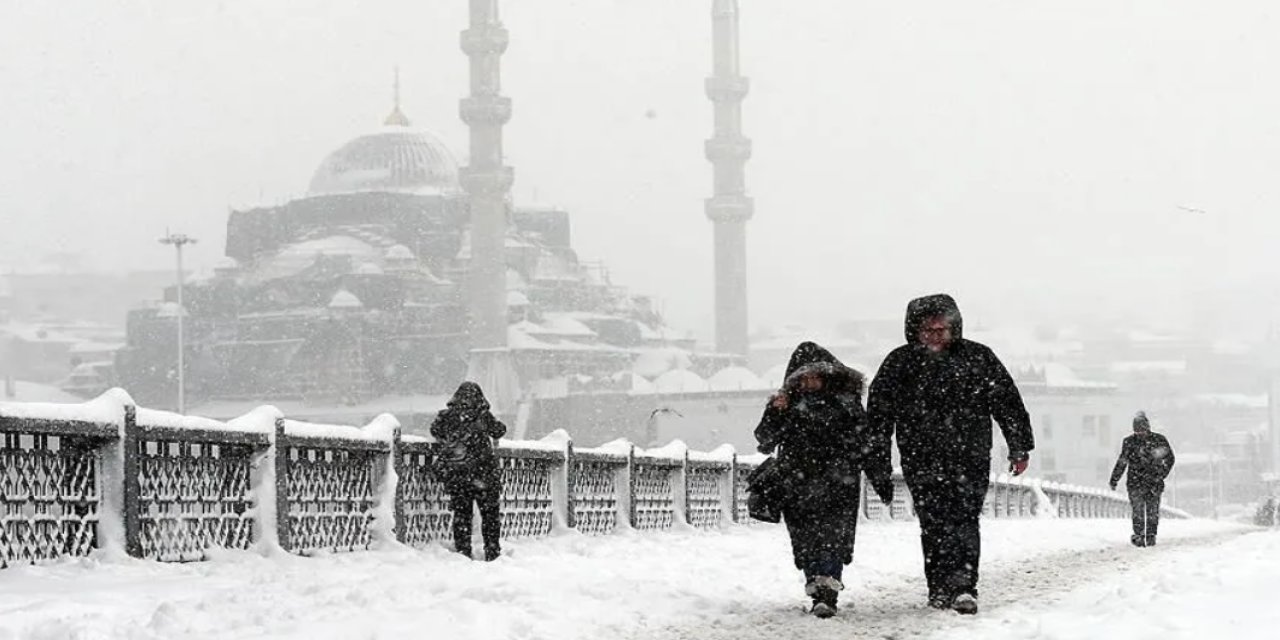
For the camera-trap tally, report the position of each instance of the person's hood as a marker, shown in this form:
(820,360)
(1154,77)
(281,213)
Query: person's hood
(809,357)
(469,398)
(938,304)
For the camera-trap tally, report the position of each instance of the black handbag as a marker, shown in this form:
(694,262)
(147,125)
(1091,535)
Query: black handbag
(766,492)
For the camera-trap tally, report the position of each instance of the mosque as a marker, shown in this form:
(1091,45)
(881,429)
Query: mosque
(400,273)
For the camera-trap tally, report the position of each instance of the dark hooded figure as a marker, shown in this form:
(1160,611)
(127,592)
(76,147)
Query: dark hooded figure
(1149,458)
(815,423)
(468,466)
(938,394)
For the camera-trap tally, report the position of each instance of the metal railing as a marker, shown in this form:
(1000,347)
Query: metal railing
(156,485)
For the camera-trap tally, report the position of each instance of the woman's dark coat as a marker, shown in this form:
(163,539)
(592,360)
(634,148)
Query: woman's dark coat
(818,439)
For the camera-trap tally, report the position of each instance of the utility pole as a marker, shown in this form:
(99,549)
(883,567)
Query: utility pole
(178,240)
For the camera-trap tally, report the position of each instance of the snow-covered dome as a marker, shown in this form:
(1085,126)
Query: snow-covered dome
(369,269)
(344,299)
(736,379)
(681,381)
(399,252)
(396,158)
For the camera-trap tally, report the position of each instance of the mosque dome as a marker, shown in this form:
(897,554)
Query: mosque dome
(396,158)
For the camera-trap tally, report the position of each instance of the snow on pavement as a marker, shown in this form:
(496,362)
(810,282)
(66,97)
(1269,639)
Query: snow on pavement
(735,583)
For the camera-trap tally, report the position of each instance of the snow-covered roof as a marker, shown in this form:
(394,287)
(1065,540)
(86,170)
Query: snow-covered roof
(1060,376)
(25,391)
(517,299)
(654,362)
(736,379)
(1149,366)
(564,325)
(681,381)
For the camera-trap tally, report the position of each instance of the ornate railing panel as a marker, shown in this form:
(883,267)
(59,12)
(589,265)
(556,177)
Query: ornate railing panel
(594,478)
(740,473)
(527,503)
(424,504)
(330,498)
(653,502)
(193,496)
(705,491)
(49,494)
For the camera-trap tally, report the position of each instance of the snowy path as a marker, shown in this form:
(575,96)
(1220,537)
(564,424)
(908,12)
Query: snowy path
(1040,577)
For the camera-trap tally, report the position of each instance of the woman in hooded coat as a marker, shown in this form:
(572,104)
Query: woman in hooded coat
(468,466)
(815,422)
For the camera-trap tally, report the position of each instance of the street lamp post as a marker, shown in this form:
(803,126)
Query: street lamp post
(178,240)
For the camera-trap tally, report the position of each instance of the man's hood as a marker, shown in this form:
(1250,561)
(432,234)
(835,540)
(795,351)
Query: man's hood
(938,304)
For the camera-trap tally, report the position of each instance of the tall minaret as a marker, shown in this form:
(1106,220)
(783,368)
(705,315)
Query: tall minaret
(729,208)
(488,183)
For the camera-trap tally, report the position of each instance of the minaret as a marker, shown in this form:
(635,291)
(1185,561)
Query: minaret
(397,117)
(729,208)
(488,183)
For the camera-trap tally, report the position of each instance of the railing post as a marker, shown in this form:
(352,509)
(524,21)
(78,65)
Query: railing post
(733,488)
(132,488)
(281,453)
(680,495)
(397,467)
(631,486)
(570,513)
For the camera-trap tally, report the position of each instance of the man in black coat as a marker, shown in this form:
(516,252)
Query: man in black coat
(468,466)
(938,393)
(1149,458)
(815,423)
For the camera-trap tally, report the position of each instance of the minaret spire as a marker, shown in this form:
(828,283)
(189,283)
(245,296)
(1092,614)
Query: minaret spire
(729,208)
(487,182)
(397,117)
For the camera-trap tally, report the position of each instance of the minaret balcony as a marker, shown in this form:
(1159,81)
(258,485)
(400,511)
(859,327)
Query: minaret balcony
(485,110)
(727,88)
(735,148)
(730,208)
(485,39)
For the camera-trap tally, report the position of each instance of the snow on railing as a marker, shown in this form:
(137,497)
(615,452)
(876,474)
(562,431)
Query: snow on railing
(158,485)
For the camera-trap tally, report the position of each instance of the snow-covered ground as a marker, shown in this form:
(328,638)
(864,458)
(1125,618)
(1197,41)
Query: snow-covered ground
(1041,579)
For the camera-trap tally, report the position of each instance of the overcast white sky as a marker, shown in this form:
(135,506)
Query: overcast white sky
(1029,156)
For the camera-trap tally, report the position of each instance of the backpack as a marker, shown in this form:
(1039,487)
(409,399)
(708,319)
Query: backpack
(456,461)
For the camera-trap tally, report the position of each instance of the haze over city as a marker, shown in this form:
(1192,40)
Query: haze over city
(1118,165)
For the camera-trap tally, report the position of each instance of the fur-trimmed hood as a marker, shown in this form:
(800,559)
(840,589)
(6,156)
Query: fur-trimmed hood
(809,358)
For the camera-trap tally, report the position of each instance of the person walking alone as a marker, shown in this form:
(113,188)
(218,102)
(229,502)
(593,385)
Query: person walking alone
(467,464)
(1149,458)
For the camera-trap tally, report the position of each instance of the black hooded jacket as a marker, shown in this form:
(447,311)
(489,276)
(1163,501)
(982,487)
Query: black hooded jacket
(941,405)
(1149,459)
(465,431)
(819,433)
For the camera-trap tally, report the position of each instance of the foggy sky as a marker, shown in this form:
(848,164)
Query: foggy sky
(1030,157)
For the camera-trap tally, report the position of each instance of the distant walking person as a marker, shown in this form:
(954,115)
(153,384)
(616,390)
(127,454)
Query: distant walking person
(468,466)
(815,422)
(938,393)
(1149,458)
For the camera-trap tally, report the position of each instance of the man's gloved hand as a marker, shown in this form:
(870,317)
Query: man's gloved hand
(883,489)
(1018,461)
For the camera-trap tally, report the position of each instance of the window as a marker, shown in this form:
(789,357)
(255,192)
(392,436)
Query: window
(1104,430)
(1090,426)
(1046,425)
